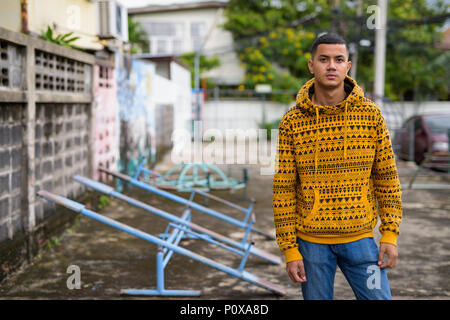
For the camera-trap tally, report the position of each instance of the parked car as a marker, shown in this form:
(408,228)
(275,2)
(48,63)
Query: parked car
(421,134)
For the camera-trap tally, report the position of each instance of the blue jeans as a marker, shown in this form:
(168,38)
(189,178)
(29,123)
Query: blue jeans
(357,261)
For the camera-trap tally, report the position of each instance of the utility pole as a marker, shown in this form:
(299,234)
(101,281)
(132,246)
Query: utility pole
(380,53)
(335,11)
(198,53)
(197,83)
(356,45)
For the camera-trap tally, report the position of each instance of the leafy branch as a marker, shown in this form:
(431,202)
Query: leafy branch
(61,39)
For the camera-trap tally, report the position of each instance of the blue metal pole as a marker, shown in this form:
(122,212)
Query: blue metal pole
(243,275)
(159,271)
(138,171)
(174,238)
(247,233)
(249,211)
(193,205)
(110,192)
(207,239)
(205,194)
(244,258)
(181,200)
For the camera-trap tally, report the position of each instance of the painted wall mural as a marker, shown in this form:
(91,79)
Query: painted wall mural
(136,121)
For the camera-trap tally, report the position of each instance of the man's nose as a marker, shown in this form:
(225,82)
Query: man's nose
(331,65)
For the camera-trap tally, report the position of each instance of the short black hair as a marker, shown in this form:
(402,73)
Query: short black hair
(328,38)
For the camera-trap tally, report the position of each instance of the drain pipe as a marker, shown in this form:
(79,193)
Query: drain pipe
(24,16)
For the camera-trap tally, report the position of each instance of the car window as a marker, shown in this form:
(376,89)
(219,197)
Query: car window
(438,124)
(417,124)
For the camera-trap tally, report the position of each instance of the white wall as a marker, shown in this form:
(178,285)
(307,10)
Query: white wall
(246,114)
(181,94)
(239,114)
(175,92)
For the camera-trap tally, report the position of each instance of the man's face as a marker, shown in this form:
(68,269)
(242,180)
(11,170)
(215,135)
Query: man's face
(330,64)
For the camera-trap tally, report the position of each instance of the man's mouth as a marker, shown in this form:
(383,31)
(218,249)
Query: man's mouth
(331,76)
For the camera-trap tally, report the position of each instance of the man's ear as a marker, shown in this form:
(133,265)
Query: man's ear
(310,66)
(349,65)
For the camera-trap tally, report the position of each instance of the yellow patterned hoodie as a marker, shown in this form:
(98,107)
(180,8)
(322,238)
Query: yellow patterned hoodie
(334,163)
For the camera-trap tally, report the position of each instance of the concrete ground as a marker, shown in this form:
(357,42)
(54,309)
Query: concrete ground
(110,260)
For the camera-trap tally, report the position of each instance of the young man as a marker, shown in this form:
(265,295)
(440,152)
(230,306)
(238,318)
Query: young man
(335,161)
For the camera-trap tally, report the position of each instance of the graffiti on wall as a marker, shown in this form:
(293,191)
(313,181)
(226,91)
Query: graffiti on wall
(136,115)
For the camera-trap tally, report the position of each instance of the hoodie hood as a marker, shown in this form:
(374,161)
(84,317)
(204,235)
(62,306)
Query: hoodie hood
(354,93)
(304,103)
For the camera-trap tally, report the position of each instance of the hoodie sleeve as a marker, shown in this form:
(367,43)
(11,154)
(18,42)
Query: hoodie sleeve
(387,185)
(284,193)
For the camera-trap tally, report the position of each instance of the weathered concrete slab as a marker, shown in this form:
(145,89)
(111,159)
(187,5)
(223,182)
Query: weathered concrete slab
(110,261)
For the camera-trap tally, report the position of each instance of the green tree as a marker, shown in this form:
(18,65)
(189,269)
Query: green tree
(273,40)
(272,44)
(205,64)
(415,68)
(137,37)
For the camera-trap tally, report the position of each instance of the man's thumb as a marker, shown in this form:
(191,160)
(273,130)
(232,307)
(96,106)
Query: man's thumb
(381,257)
(301,269)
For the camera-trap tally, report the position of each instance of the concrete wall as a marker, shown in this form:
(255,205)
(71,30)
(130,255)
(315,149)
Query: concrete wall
(45,139)
(10,16)
(136,113)
(150,107)
(105,122)
(239,114)
(244,114)
(61,151)
(64,112)
(11,169)
(77,16)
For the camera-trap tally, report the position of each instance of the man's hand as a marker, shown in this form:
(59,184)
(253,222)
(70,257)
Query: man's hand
(391,251)
(296,271)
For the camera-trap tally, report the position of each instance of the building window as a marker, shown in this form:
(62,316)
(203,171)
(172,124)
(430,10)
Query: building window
(161,46)
(177,46)
(197,34)
(165,37)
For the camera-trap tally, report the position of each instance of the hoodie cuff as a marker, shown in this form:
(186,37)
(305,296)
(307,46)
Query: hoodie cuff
(292,254)
(389,237)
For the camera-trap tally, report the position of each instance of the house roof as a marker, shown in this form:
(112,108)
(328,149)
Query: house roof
(161,58)
(178,7)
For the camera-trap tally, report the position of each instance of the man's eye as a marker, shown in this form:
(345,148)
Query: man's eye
(340,60)
(322,59)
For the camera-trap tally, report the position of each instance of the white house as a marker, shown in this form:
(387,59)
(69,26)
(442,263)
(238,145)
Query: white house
(175,29)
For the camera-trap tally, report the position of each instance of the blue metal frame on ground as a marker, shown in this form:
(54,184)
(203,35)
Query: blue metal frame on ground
(241,224)
(182,177)
(198,231)
(171,246)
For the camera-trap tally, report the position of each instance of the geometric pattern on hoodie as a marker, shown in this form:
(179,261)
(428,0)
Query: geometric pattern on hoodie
(335,173)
